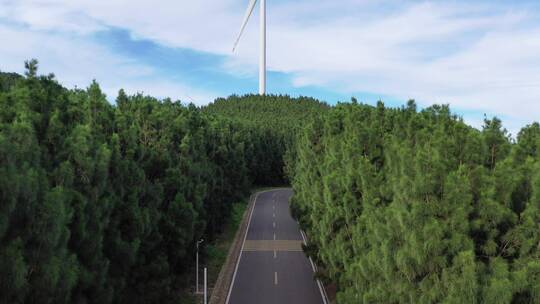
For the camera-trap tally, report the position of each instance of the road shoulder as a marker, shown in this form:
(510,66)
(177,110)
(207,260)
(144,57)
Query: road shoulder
(224,280)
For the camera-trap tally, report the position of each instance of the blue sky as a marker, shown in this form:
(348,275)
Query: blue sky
(478,56)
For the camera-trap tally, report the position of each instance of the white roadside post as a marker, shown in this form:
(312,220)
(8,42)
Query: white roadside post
(197,267)
(205,288)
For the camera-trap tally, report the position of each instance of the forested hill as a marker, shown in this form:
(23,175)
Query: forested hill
(103,203)
(7,80)
(274,112)
(417,207)
(271,122)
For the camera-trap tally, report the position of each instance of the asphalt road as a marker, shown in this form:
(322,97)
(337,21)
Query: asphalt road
(272,268)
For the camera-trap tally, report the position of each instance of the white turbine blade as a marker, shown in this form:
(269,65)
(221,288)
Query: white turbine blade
(249,10)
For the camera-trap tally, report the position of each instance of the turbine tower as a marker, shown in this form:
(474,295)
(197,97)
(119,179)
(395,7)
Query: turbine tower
(262,55)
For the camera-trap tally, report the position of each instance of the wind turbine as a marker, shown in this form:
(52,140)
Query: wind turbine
(262,55)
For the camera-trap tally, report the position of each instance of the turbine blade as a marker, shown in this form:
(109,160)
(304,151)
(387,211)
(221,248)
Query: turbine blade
(249,10)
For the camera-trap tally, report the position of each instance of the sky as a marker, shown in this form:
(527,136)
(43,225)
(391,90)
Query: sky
(481,57)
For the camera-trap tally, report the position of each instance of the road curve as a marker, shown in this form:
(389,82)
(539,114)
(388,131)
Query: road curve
(272,268)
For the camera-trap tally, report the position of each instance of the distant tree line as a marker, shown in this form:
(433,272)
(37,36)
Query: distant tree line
(270,125)
(408,206)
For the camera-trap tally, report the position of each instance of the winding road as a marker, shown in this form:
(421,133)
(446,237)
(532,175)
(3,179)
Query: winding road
(272,268)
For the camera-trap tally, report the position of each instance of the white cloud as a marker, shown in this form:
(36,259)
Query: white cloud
(431,52)
(43,16)
(482,57)
(76,62)
(197,24)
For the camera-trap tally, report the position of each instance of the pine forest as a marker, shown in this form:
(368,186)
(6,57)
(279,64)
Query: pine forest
(102,199)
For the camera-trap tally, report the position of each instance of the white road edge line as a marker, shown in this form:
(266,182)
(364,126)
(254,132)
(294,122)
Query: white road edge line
(244,241)
(242,249)
(321,288)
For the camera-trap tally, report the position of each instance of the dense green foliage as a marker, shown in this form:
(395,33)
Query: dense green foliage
(103,203)
(270,124)
(417,207)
